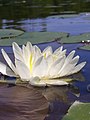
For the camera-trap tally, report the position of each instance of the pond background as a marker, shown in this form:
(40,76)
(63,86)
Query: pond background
(44,15)
(36,15)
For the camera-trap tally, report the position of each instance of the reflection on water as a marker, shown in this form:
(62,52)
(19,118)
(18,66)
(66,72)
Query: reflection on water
(19,103)
(75,24)
(30,103)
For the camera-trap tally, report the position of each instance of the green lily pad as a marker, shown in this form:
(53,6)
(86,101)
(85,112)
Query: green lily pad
(65,16)
(34,37)
(9,33)
(76,39)
(85,47)
(78,111)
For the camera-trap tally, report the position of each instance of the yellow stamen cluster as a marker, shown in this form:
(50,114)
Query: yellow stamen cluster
(31,63)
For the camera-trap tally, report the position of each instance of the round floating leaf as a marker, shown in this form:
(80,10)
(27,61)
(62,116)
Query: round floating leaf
(76,39)
(34,37)
(78,111)
(85,47)
(9,33)
(65,16)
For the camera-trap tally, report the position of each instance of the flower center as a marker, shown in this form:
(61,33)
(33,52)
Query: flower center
(54,57)
(44,55)
(31,63)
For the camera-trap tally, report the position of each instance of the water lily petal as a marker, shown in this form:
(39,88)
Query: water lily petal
(68,70)
(36,49)
(56,66)
(63,53)
(22,70)
(70,56)
(17,51)
(49,60)
(29,47)
(9,62)
(38,62)
(40,67)
(58,50)
(75,60)
(67,63)
(56,82)
(35,81)
(78,67)
(36,53)
(26,56)
(47,51)
(6,70)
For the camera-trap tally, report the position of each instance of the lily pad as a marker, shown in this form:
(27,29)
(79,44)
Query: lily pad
(78,111)
(9,33)
(65,16)
(76,39)
(34,37)
(85,47)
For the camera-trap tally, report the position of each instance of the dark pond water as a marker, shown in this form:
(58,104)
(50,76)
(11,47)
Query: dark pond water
(30,103)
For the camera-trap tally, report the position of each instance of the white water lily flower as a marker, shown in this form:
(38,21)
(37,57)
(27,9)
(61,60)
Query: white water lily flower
(41,68)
